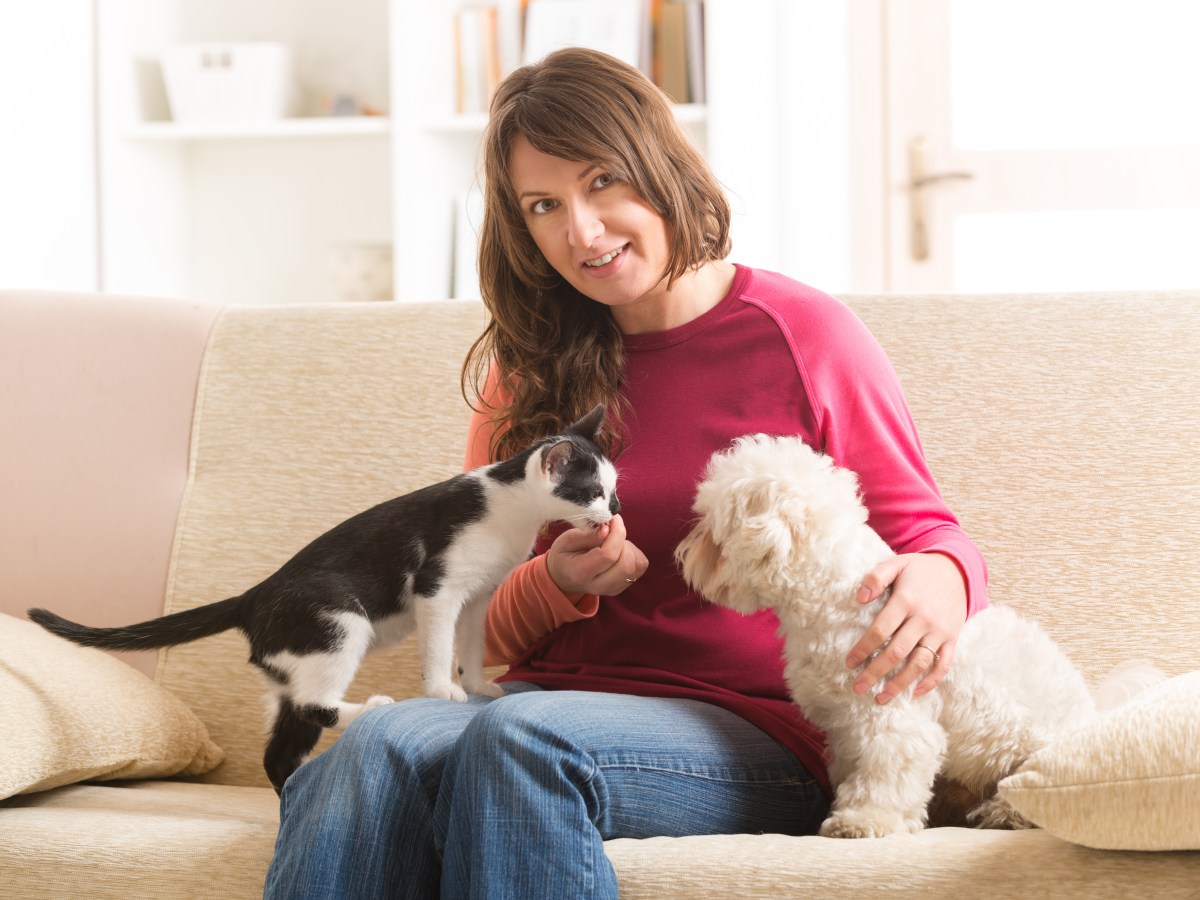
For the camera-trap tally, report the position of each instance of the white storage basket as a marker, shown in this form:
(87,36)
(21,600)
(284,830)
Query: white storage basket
(234,82)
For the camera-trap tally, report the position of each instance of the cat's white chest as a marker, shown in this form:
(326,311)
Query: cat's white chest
(485,552)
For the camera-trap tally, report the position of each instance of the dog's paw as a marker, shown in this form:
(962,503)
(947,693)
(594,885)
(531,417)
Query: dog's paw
(449,691)
(377,700)
(849,823)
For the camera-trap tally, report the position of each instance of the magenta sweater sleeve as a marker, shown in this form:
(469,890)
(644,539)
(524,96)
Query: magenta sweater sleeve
(863,423)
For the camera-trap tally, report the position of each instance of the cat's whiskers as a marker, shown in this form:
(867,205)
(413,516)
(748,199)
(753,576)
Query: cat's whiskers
(591,522)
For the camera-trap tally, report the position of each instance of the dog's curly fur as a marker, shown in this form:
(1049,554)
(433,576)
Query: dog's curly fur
(782,527)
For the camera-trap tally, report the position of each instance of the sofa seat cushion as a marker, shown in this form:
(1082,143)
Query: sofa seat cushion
(938,862)
(138,839)
(173,839)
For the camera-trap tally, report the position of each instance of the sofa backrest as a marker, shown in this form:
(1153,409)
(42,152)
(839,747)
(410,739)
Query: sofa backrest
(1064,431)
(95,416)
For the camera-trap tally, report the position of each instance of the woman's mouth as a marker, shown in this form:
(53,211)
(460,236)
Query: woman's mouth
(607,259)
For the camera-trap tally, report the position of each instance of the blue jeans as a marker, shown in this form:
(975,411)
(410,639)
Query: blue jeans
(514,798)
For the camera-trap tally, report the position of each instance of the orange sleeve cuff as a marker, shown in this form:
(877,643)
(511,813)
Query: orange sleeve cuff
(526,607)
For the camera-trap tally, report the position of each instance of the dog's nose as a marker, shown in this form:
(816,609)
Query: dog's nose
(614,505)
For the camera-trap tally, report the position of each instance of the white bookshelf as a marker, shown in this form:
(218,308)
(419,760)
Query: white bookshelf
(243,214)
(251,214)
(285,129)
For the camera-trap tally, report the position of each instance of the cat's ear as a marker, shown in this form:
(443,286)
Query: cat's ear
(589,426)
(555,460)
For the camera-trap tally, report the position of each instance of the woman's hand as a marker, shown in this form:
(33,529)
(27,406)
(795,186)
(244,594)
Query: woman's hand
(923,617)
(602,561)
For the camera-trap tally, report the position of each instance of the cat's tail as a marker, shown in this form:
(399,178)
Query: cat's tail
(177,628)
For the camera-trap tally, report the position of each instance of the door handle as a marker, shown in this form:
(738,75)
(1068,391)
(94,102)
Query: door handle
(919,179)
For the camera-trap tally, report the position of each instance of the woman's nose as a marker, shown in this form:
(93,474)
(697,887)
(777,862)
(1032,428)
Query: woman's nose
(584,226)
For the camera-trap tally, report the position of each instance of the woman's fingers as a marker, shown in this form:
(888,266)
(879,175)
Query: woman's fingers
(602,561)
(937,670)
(912,637)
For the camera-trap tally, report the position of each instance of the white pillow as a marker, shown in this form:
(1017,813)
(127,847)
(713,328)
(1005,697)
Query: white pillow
(72,713)
(1129,781)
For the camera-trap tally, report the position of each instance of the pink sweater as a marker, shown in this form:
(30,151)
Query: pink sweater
(773,356)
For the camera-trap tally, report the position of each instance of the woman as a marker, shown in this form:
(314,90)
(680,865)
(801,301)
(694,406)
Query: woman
(633,708)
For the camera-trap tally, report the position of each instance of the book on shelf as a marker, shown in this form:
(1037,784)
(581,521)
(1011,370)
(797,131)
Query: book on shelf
(663,38)
(616,27)
(487,42)
(478,58)
(678,68)
(670,45)
(695,50)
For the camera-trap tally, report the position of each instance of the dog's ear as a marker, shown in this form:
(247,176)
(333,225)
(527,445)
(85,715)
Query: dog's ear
(712,574)
(762,537)
(699,558)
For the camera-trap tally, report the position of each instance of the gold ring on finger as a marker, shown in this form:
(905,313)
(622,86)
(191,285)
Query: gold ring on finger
(936,655)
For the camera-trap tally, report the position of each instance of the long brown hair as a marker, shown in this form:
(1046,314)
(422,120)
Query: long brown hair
(557,352)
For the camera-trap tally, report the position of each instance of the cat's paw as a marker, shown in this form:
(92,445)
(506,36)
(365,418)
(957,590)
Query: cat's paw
(377,700)
(485,689)
(449,691)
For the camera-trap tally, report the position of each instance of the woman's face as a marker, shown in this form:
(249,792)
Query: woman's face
(594,229)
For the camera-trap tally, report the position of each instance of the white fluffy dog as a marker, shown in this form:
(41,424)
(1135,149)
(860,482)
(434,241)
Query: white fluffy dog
(782,527)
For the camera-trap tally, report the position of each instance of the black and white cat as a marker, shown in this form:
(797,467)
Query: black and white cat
(428,560)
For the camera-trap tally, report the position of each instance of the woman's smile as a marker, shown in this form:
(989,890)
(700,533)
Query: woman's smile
(603,266)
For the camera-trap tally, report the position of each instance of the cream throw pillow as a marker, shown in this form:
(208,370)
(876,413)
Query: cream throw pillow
(1130,781)
(70,713)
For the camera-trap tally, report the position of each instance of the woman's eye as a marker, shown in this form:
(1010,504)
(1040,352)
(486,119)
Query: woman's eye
(604,180)
(541,206)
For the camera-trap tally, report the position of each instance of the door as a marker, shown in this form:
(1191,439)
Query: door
(1041,145)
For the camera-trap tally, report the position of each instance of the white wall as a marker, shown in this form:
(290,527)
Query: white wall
(779,134)
(48,231)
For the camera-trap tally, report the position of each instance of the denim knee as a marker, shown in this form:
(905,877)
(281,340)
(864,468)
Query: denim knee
(521,746)
(400,743)
(521,723)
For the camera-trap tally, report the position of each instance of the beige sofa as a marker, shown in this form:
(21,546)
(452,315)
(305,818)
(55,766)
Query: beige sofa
(160,455)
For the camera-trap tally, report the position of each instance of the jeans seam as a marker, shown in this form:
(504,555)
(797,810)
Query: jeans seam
(725,778)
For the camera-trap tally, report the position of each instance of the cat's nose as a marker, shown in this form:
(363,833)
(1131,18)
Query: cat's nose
(614,505)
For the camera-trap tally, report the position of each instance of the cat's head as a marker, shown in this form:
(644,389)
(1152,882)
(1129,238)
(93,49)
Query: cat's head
(582,480)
